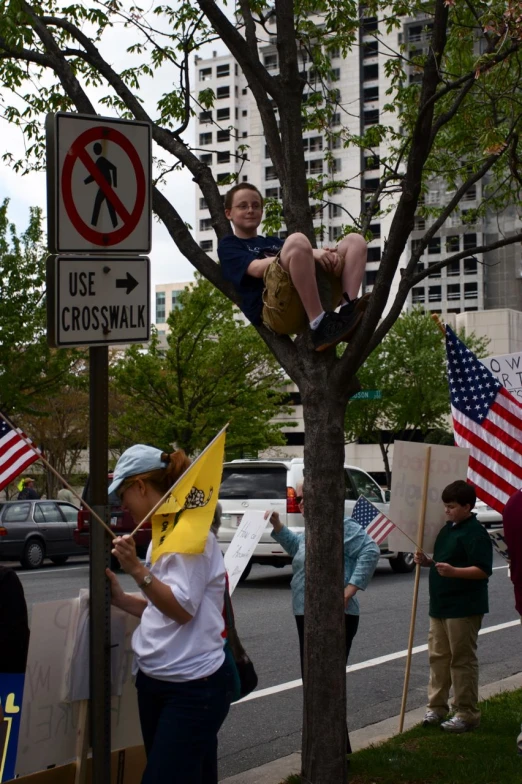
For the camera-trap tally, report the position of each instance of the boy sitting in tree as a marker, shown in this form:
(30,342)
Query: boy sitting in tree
(276,279)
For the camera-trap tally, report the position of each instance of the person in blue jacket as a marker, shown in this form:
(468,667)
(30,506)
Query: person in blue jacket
(361,555)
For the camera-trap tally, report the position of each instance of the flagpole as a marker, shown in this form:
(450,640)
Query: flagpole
(176,483)
(420,542)
(55,472)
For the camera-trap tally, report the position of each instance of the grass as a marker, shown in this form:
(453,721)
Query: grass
(427,755)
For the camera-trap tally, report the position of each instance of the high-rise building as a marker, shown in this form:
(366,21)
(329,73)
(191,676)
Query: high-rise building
(166,300)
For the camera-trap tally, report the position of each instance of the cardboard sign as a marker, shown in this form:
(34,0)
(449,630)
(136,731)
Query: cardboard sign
(49,724)
(507,368)
(243,544)
(127,766)
(447,464)
(499,543)
(11,694)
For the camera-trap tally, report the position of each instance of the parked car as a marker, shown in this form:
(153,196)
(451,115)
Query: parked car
(271,485)
(121,523)
(488,516)
(31,531)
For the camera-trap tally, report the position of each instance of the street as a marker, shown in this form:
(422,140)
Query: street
(268,724)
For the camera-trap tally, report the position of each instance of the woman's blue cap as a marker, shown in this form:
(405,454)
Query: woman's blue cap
(138,459)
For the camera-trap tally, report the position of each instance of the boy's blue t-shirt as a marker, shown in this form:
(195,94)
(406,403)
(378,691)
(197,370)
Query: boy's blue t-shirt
(235,255)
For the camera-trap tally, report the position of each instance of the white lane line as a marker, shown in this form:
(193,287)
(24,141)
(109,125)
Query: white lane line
(365,664)
(500,567)
(51,570)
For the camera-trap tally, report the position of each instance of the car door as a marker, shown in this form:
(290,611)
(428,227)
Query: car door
(70,513)
(53,526)
(17,523)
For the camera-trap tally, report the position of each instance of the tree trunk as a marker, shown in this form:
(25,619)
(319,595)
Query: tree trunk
(385,460)
(324,720)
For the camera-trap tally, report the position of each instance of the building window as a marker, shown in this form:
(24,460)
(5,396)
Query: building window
(434,245)
(470,195)
(371,117)
(175,299)
(207,245)
(206,158)
(223,136)
(273,193)
(244,134)
(205,224)
(335,143)
(418,295)
(271,63)
(435,273)
(470,241)
(205,138)
(244,113)
(160,307)
(335,210)
(336,118)
(471,290)
(205,74)
(453,269)
(453,291)
(419,224)
(470,266)
(223,92)
(375,229)
(369,24)
(371,277)
(370,72)
(223,114)
(223,157)
(313,144)
(335,74)
(371,162)
(334,52)
(270,173)
(205,117)
(370,49)
(244,91)
(336,165)
(222,70)
(453,244)
(435,293)
(374,254)
(371,93)
(222,177)
(371,184)
(202,204)
(315,166)
(336,232)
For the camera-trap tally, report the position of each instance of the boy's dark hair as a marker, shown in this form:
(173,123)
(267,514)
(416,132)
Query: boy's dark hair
(241,186)
(459,492)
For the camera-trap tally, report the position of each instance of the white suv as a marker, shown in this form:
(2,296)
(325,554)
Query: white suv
(271,485)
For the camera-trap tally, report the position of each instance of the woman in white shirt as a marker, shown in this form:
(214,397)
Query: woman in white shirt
(184,684)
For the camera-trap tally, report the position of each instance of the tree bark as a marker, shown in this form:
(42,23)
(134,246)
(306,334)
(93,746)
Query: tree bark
(324,719)
(385,460)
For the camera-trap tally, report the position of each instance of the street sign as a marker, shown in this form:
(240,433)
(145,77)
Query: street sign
(98,184)
(97,302)
(367,394)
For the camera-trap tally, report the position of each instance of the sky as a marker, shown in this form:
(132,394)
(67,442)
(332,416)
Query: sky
(167,263)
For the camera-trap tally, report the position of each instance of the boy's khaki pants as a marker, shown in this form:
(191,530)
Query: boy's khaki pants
(452,647)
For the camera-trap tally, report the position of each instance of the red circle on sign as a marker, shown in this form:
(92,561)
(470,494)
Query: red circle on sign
(77,151)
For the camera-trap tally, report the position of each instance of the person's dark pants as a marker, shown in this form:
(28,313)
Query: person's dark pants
(351,624)
(180,723)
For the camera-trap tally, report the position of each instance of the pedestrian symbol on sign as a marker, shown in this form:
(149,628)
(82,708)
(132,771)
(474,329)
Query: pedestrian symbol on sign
(109,173)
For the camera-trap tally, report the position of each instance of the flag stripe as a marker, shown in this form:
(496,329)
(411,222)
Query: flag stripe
(15,454)
(372,520)
(491,476)
(510,401)
(468,431)
(489,493)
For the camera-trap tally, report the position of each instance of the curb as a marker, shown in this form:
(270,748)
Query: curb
(276,771)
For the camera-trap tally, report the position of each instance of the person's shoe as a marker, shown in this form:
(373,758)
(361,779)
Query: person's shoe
(353,312)
(519,742)
(432,718)
(457,725)
(330,331)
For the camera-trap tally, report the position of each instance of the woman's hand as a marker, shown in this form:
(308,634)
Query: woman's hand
(274,519)
(349,592)
(124,548)
(117,592)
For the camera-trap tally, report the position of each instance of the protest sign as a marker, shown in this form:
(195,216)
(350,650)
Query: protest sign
(447,464)
(11,694)
(242,546)
(499,543)
(507,368)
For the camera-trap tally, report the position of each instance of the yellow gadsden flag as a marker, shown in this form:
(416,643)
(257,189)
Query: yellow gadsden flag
(182,523)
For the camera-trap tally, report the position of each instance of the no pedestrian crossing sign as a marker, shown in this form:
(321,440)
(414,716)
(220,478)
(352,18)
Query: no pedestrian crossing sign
(98,184)
(95,302)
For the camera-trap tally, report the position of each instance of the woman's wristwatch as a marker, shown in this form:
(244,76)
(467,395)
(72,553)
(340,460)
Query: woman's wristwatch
(145,582)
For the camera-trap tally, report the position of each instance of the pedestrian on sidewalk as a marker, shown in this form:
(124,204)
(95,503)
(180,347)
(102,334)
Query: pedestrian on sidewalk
(276,279)
(184,683)
(459,571)
(361,556)
(512,519)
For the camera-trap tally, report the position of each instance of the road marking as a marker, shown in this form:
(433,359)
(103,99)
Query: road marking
(500,567)
(51,570)
(365,664)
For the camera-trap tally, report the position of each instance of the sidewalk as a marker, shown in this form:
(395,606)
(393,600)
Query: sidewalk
(276,771)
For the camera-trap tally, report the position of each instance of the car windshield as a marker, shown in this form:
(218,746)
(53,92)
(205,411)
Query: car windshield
(259,482)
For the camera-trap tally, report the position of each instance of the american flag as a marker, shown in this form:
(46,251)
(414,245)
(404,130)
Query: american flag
(15,454)
(374,522)
(487,419)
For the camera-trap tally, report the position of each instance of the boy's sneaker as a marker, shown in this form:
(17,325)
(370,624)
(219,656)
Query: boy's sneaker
(330,331)
(432,718)
(457,725)
(353,312)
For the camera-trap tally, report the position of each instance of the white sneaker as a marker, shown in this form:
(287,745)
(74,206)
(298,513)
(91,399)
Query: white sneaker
(519,741)
(432,718)
(456,724)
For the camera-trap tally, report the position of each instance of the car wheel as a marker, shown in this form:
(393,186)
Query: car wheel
(33,555)
(246,572)
(59,560)
(403,563)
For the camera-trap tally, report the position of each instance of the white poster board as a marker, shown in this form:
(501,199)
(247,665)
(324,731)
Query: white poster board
(507,368)
(242,546)
(49,725)
(499,543)
(447,464)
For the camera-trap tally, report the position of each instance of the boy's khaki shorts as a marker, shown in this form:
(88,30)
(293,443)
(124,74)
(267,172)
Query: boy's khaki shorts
(283,311)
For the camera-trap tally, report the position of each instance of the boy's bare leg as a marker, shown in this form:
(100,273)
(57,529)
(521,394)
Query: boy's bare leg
(298,260)
(354,251)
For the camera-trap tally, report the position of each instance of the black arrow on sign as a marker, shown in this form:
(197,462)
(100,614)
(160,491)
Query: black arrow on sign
(128,283)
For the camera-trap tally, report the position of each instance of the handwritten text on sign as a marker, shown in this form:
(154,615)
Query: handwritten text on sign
(243,544)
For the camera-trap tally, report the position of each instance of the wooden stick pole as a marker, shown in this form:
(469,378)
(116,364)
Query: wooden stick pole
(82,743)
(57,475)
(420,541)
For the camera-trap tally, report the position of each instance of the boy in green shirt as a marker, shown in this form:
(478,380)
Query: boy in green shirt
(459,571)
